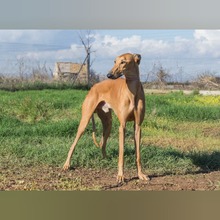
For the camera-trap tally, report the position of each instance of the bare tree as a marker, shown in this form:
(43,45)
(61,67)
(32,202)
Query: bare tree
(159,75)
(22,68)
(41,72)
(208,80)
(178,75)
(87,40)
(162,75)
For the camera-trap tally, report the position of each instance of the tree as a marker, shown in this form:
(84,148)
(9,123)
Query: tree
(159,75)
(22,68)
(87,40)
(208,80)
(162,76)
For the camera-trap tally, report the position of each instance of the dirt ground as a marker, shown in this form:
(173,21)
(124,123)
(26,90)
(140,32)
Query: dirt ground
(53,178)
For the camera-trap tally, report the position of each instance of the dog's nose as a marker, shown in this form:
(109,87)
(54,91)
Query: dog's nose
(109,75)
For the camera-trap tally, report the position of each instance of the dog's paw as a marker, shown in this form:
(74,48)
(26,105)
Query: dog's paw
(142,176)
(120,179)
(66,166)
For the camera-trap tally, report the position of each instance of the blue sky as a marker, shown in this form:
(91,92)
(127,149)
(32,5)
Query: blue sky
(191,51)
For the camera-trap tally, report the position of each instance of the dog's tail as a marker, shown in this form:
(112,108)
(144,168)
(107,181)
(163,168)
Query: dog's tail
(93,131)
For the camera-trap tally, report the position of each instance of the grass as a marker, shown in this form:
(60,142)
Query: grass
(24,85)
(181,134)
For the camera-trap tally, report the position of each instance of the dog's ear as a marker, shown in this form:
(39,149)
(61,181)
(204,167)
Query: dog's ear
(137,58)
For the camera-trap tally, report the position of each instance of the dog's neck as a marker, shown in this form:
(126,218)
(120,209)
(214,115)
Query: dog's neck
(133,80)
(132,74)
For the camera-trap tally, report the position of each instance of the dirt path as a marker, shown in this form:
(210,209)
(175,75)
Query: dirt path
(52,178)
(187,92)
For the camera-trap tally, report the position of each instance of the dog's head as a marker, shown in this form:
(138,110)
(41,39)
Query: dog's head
(124,65)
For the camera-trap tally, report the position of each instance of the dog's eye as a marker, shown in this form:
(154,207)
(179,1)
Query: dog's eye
(114,61)
(122,62)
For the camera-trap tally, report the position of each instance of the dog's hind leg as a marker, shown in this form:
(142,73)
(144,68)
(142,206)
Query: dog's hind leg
(106,119)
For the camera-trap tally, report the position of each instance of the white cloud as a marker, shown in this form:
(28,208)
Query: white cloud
(207,42)
(209,35)
(111,46)
(107,47)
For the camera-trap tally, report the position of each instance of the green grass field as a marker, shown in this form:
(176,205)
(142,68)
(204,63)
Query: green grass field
(180,133)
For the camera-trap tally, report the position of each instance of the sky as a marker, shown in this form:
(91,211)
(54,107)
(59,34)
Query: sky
(183,53)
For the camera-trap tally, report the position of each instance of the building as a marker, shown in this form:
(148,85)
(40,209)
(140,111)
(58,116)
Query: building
(68,71)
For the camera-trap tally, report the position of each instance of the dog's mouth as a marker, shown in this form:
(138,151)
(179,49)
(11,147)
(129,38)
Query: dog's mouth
(112,76)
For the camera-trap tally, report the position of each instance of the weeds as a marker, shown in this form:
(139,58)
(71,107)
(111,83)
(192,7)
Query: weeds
(183,108)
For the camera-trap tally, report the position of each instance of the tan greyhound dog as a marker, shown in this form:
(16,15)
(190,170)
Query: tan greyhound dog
(126,98)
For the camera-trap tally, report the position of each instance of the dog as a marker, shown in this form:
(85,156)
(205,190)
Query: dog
(125,96)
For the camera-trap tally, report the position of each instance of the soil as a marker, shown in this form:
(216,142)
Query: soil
(53,178)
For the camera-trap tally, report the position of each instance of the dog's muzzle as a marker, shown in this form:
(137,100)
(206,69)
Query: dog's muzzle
(112,76)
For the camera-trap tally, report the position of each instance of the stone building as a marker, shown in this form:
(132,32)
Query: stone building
(68,71)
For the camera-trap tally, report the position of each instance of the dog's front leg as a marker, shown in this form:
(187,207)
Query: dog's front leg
(137,137)
(120,177)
